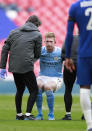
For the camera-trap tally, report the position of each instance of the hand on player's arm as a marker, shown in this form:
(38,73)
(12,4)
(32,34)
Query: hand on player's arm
(69,64)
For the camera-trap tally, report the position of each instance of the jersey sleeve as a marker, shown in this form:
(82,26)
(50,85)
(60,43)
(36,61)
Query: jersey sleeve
(72,12)
(69,35)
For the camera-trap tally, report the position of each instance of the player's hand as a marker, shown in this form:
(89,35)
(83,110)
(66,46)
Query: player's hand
(69,64)
(3,73)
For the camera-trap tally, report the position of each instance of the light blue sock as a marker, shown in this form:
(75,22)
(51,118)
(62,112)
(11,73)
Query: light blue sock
(50,101)
(39,101)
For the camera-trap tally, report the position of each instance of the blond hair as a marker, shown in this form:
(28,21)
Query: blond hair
(50,35)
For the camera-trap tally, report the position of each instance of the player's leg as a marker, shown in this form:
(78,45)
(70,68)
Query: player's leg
(49,87)
(20,86)
(31,84)
(84,75)
(69,79)
(86,104)
(39,99)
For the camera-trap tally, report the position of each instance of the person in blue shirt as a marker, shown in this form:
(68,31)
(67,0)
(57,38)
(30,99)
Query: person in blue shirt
(50,76)
(80,13)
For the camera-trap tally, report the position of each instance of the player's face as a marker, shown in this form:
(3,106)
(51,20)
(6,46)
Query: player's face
(50,44)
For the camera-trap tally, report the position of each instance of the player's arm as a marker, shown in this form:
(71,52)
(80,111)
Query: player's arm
(37,48)
(68,44)
(70,26)
(4,53)
(4,56)
(69,38)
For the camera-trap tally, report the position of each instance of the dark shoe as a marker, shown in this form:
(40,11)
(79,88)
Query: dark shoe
(67,117)
(19,117)
(31,117)
(82,117)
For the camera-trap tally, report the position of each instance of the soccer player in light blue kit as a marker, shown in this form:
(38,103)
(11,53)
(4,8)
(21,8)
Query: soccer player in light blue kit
(81,13)
(50,76)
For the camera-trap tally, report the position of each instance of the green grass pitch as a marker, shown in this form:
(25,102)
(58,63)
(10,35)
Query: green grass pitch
(8,114)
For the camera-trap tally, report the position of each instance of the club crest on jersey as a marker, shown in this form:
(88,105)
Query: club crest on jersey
(56,58)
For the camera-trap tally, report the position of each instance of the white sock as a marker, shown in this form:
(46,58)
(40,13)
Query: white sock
(68,113)
(27,114)
(86,106)
(19,114)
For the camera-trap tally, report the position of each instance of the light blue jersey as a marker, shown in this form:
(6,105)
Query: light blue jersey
(51,63)
(81,14)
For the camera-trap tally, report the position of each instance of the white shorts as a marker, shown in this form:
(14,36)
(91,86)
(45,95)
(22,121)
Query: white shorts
(46,79)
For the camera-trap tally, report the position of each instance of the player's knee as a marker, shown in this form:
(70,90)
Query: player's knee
(34,90)
(49,93)
(68,91)
(39,92)
(20,91)
(51,87)
(34,93)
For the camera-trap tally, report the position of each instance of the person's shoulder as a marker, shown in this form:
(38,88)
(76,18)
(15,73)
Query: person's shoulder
(43,49)
(57,49)
(12,33)
(74,6)
(77,3)
(39,33)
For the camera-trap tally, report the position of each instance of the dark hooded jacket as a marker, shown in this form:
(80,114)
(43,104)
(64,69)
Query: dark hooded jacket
(73,49)
(24,48)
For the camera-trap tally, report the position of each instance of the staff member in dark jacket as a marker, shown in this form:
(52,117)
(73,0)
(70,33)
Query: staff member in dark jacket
(24,48)
(69,78)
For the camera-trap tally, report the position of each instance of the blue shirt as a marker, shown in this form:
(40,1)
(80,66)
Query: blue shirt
(51,63)
(81,13)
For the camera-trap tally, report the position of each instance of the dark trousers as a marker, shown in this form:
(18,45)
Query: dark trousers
(25,80)
(69,79)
